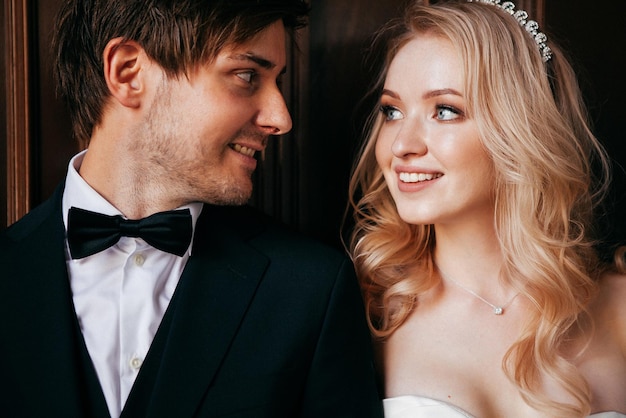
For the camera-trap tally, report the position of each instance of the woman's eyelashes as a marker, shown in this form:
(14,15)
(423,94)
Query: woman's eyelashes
(442,113)
(390,112)
(447,112)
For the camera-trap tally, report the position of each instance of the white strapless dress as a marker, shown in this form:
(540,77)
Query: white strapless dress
(410,406)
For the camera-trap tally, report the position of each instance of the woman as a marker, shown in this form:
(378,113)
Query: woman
(473,200)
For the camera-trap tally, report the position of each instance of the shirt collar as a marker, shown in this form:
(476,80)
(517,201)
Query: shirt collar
(78,193)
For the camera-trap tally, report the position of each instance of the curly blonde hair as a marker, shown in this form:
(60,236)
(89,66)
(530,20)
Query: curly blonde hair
(550,172)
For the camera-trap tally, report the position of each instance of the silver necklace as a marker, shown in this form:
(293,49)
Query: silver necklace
(498,310)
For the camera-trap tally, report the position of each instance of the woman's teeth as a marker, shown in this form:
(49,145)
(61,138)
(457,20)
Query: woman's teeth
(418,177)
(243,150)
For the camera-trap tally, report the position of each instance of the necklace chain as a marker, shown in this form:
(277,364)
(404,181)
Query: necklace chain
(497,310)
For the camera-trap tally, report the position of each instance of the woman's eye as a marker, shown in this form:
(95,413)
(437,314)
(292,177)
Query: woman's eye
(247,76)
(447,113)
(391,113)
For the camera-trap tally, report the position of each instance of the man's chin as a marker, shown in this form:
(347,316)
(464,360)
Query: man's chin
(231,198)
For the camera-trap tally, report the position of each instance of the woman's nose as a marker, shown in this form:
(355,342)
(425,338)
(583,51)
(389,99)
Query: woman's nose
(409,140)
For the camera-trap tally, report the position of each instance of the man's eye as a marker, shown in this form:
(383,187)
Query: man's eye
(391,113)
(246,76)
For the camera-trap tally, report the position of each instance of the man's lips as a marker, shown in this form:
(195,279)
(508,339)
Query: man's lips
(247,151)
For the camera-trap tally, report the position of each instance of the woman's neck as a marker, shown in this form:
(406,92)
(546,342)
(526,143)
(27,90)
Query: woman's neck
(469,254)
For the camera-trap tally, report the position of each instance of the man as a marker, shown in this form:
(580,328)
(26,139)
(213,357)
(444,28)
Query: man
(102,316)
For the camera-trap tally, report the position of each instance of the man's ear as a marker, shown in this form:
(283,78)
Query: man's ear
(123,62)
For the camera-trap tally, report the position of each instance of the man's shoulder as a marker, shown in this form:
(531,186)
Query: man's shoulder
(28,224)
(270,235)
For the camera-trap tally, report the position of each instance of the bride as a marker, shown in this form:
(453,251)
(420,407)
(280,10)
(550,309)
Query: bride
(473,203)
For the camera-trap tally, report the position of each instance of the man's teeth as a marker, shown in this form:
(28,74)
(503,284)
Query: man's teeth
(244,150)
(418,177)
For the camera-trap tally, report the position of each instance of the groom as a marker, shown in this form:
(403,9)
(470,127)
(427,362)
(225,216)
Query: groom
(143,287)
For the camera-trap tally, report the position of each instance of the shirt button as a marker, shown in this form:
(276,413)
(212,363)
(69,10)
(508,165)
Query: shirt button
(139,260)
(135,363)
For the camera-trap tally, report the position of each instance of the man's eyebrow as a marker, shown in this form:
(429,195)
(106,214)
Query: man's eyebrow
(260,61)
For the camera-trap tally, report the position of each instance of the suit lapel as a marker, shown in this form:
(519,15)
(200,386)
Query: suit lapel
(55,359)
(212,297)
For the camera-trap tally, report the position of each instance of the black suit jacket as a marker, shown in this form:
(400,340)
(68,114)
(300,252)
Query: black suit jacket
(263,323)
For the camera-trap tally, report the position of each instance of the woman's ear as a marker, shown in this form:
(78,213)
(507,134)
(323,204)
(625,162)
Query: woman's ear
(123,61)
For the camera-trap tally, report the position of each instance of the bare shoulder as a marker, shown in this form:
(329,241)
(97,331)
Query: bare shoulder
(603,364)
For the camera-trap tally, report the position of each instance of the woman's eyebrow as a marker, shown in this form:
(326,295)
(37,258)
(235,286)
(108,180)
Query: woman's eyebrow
(441,92)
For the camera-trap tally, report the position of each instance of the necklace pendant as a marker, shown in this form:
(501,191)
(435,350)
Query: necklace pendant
(498,310)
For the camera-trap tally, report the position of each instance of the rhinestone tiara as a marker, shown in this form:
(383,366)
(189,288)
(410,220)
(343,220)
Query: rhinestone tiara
(531,26)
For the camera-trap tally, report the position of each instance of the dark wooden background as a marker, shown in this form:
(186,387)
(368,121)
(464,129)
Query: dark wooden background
(303,177)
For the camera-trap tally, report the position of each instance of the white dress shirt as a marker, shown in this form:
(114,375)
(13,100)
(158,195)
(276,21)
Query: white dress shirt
(120,294)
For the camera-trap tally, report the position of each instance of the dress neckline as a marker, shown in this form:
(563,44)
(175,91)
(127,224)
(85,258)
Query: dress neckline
(429,401)
(461,411)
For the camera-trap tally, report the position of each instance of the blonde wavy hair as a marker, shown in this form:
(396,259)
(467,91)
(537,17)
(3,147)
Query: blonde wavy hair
(550,172)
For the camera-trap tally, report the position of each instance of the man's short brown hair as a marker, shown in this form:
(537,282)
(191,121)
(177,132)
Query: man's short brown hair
(177,34)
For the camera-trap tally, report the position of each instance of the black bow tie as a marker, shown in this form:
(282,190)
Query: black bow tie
(90,232)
